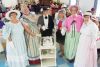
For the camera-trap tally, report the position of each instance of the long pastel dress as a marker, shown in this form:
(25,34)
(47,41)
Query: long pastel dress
(86,55)
(32,42)
(1,39)
(73,25)
(16,53)
(1,46)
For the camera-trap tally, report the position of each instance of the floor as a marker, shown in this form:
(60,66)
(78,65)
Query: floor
(61,62)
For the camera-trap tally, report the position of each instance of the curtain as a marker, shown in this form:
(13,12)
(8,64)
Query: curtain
(86,7)
(98,8)
(8,3)
(95,4)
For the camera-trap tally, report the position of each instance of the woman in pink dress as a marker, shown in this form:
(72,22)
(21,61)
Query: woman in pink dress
(86,55)
(73,24)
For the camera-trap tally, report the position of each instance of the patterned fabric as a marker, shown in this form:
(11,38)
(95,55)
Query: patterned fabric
(32,42)
(1,46)
(69,20)
(18,58)
(71,42)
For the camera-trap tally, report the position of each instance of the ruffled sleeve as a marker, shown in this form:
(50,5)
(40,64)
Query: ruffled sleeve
(23,22)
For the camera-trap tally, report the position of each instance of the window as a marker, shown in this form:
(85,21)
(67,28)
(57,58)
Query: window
(73,2)
(98,9)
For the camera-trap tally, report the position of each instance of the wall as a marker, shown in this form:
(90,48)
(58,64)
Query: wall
(65,1)
(8,3)
(86,5)
(98,9)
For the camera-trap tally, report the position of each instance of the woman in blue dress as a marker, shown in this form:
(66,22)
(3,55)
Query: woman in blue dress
(13,31)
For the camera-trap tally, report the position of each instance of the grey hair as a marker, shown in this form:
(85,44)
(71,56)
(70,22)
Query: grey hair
(62,11)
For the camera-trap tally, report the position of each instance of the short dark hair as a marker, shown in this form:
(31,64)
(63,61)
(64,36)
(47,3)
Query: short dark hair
(87,15)
(12,13)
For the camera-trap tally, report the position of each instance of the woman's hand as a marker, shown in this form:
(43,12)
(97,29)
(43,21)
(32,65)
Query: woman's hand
(36,34)
(33,34)
(28,30)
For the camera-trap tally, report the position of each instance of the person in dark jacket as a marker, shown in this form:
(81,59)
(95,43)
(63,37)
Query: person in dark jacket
(45,23)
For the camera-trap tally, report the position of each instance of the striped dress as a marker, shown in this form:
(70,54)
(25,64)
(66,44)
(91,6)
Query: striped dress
(1,47)
(32,42)
(71,42)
